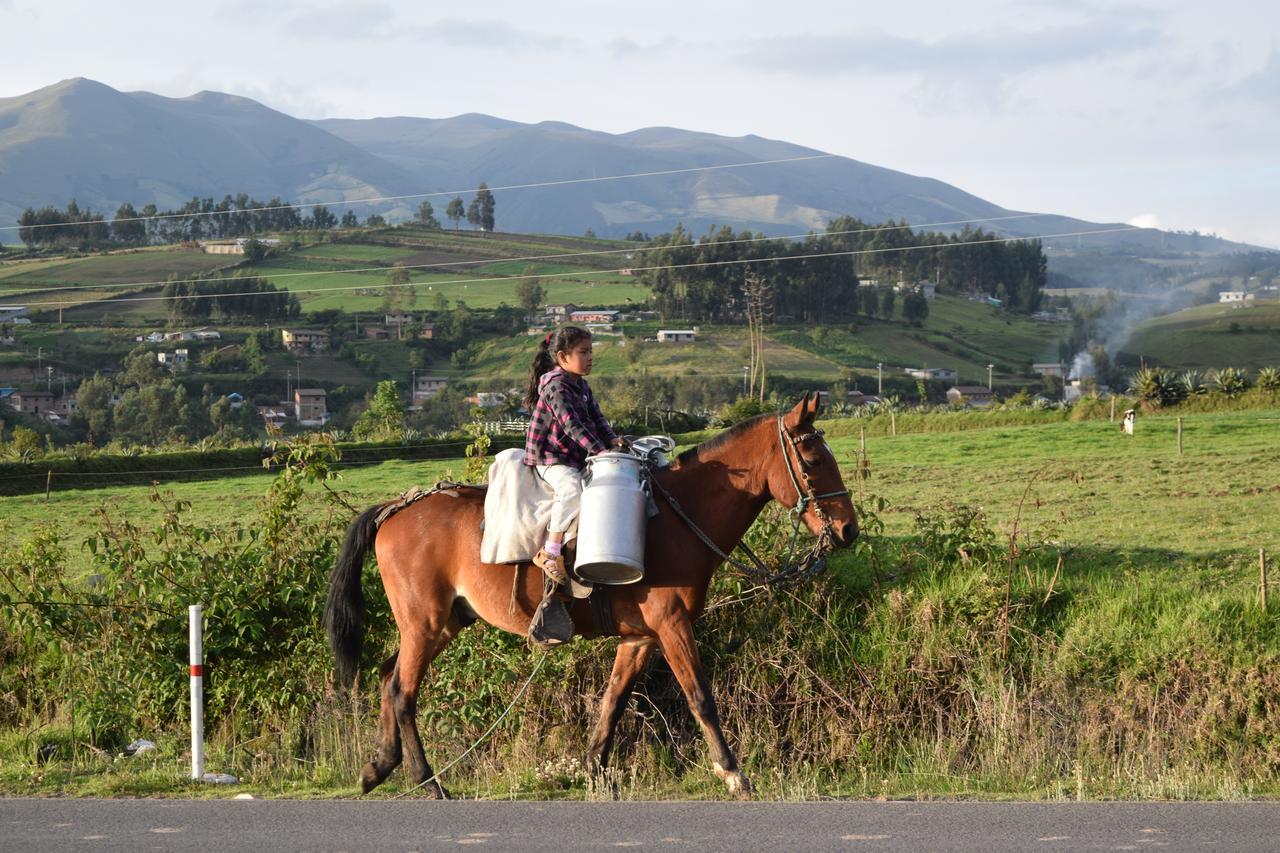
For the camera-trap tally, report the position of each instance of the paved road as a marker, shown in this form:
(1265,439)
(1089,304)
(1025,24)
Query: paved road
(210,826)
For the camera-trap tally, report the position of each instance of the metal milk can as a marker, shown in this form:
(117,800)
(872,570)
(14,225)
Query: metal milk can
(612,520)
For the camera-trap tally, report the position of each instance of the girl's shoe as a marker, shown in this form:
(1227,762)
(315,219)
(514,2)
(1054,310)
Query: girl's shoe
(552,566)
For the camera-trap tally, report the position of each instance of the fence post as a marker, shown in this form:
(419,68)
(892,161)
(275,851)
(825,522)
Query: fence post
(1113,408)
(1179,436)
(197,691)
(893,423)
(1262,577)
(48,485)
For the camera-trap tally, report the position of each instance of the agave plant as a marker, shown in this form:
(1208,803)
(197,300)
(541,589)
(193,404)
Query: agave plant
(1155,386)
(1269,379)
(1192,382)
(1230,382)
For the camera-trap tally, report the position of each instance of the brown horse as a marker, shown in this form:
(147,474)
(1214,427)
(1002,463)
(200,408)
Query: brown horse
(429,558)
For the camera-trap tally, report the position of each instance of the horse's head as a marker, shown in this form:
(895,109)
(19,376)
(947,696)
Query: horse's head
(805,478)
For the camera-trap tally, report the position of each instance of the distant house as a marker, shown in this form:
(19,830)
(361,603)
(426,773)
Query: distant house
(940,374)
(232,247)
(1236,297)
(593,315)
(377,333)
(309,407)
(7,333)
(68,404)
(1050,368)
(560,312)
(676,336)
(970,395)
(273,416)
(176,360)
(857,398)
(400,319)
(236,399)
(305,341)
(427,332)
(488,399)
(32,402)
(9,313)
(426,387)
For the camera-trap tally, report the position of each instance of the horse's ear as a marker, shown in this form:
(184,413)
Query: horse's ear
(815,403)
(803,412)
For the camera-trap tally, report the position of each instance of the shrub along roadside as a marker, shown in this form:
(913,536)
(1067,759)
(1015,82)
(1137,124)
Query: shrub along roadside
(100,469)
(952,660)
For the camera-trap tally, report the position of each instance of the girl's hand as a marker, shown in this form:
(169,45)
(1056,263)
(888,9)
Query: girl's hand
(620,443)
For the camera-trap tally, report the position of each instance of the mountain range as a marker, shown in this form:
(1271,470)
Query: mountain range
(84,140)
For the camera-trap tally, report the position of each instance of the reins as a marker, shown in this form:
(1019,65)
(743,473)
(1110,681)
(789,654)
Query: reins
(792,571)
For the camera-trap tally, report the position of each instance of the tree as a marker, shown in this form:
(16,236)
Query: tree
(127,227)
(255,251)
(887,299)
(322,218)
(915,308)
(486,203)
(393,294)
(375,221)
(473,213)
(455,211)
(530,292)
(758,291)
(350,220)
(384,419)
(426,216)
(93,402)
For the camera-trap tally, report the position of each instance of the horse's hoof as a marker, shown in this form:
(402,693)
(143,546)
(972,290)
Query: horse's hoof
(369,779)
(738,784)
(436,791)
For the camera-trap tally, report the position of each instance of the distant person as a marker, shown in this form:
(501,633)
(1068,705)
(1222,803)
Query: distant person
(566,427)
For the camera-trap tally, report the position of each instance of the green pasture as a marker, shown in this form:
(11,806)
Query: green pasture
(138,267)
(1082,484)
(1211,336)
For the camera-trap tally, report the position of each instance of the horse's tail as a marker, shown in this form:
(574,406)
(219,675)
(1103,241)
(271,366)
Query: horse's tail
(345,611)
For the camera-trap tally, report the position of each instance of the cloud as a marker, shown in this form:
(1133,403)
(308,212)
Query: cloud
(1002,51)
(1145,220)
(1263,85)
(624,48)
(487,34)
(354,20)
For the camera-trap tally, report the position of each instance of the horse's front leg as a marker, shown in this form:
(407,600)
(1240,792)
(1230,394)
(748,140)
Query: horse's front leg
(676,637)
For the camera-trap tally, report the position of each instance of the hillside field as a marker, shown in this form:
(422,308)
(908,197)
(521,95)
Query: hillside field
(1211,336)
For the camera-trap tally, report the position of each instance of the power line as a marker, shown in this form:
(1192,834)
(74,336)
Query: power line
(551,257)
(654,268)
(372,200)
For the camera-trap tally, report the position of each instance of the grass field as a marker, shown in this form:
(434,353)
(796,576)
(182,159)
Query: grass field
(1085,483)
(1211,336)
(1138,665)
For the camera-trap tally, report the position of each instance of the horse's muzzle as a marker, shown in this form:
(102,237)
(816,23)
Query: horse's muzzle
(845,532)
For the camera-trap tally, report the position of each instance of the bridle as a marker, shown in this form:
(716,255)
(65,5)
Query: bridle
(792,571)
(803,498)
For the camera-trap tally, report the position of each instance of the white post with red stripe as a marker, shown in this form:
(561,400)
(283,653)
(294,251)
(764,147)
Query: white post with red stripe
(197,691)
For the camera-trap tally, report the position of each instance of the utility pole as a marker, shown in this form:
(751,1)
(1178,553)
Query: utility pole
(989,367)
(879,379)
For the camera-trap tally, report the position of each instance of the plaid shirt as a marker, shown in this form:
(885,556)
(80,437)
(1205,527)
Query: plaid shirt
(567,425)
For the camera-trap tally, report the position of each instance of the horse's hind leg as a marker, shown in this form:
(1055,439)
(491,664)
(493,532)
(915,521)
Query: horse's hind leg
(678,646)
(387,757)
(627,665)
(417,650)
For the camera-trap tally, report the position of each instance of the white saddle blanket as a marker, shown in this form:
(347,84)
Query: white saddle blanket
(517,508)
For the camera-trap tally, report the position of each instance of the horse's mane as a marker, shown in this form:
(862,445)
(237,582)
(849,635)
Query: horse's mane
(729,435)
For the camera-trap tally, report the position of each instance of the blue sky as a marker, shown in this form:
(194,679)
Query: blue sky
(1164,114)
